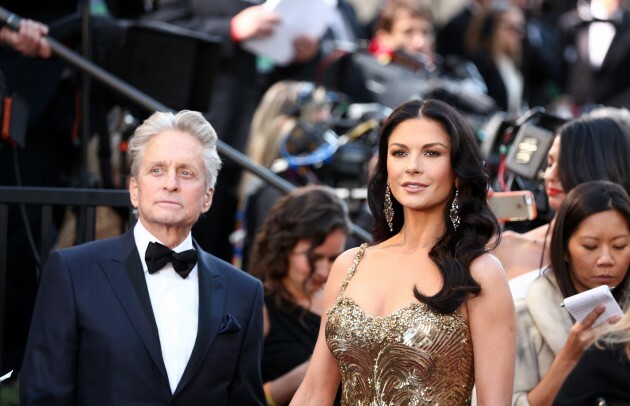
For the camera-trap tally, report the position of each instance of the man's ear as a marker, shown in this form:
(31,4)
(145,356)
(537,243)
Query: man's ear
(133,192)
(207,200)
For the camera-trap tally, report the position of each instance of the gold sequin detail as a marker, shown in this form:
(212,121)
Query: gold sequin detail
(411,357)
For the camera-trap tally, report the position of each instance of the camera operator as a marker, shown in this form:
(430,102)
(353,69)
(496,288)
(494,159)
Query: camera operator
(402,64)
(407,26)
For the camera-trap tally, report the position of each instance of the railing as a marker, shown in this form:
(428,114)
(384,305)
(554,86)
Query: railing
(85,199)
(146,101)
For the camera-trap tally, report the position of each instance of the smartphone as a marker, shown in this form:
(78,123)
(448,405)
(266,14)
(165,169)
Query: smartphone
(513,206)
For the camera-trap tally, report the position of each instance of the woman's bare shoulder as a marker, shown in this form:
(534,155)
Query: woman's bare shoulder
(347,257)
(487,269)
(344,261)
(339,273)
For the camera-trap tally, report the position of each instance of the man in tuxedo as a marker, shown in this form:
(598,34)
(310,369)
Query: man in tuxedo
(596,53)
(236,90)
(148,318)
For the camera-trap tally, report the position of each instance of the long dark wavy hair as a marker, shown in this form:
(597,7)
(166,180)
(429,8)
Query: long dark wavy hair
(306,213)
(456,249)
(583,201)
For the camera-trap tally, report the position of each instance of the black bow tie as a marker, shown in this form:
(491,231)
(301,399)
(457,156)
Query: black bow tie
(158,255)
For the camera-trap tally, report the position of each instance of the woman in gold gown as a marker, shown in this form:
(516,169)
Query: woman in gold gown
(424,313)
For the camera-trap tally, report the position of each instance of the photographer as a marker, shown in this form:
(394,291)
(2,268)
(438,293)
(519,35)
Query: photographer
(400,64)
(407,26)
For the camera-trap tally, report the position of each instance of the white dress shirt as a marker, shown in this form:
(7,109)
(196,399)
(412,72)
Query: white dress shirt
(513,80)
(600,35)
(175,303)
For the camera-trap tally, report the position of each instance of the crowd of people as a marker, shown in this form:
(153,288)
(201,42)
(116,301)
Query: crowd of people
(444,305)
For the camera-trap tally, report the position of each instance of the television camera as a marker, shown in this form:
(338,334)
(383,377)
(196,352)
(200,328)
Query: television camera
(515,151)
(336,152)
(363,93)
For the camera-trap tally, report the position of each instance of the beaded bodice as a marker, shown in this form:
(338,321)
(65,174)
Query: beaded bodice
(413,356)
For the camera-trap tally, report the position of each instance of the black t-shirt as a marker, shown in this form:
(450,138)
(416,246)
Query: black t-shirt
(291,339)
(601,374)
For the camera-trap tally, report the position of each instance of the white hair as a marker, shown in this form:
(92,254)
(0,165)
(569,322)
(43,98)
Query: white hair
(191,122)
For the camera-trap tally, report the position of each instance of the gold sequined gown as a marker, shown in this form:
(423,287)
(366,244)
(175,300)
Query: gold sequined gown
(413,356)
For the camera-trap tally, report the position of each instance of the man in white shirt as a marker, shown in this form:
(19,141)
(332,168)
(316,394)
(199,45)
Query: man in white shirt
(148,318)
(595,57)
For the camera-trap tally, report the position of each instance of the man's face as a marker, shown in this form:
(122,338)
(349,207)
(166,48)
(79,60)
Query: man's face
(169,190)
(413,34)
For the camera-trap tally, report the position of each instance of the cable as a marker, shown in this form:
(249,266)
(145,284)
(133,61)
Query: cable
(24,215)
(322,153)
(11,21)
(362,128)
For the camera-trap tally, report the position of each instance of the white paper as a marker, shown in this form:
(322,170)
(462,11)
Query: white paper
(298,17)
(583,303)
(6,376)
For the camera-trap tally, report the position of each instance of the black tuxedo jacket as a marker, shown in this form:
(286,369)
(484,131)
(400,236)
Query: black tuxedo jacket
(610,83)
(94,340)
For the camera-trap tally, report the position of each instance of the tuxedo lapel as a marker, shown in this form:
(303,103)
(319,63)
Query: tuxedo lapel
(126,277)
(133,267)
(213,288)
(581,45)
(618,46)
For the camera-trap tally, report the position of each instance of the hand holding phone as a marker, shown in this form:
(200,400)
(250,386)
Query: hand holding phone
(513,206)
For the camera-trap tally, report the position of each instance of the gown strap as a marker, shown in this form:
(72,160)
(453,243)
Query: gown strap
(352,269)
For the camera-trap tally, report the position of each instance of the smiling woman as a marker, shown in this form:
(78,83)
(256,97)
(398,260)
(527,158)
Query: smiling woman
(426,292)
(419,165)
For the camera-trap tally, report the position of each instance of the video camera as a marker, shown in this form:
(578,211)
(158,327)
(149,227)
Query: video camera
(521,144)
(337,152)
(515,152)
(365,79)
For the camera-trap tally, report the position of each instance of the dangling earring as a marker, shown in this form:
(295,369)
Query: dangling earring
(454,215)
(388,209)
